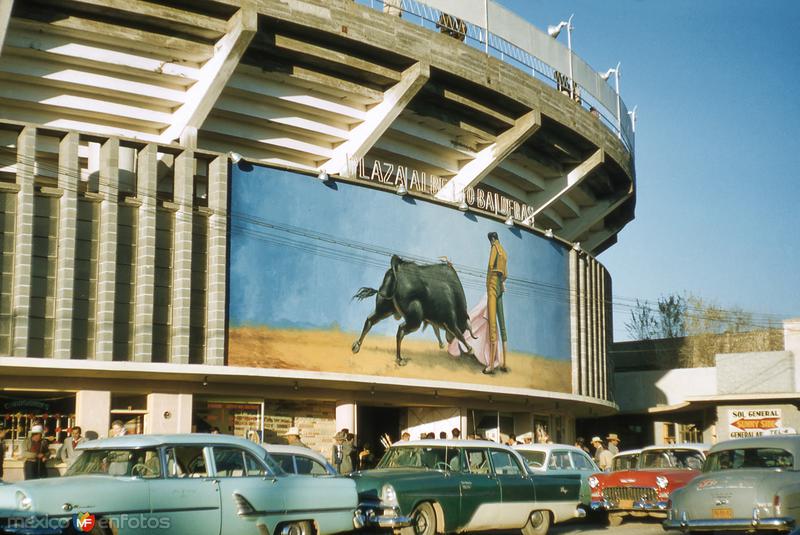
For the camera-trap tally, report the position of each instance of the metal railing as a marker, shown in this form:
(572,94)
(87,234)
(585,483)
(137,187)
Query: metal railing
(591,91)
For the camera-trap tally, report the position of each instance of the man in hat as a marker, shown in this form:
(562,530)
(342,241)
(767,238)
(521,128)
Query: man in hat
(35,452)
(69,452)
(613,443)
(293,437)
(601,454)
(342,452)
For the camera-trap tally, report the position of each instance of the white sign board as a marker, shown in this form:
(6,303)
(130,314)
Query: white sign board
(755,422)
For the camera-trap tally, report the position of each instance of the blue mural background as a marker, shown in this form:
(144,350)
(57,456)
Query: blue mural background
(300,249)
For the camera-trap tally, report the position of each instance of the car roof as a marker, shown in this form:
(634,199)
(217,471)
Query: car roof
(546,447)
(295,450)
(466,443)
(628,452)
(687,446)
(153,441)
(788,442)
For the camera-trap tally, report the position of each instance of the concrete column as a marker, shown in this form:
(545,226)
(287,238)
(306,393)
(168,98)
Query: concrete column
(604,298)
(182,258)
(586,370)
(93,411)
(591,336)
(68,170)
(168,413)
(346,416)
(574,329)
(596,336)
(791,342)
(107,249)
(145,254)
(23,248)
(217,259)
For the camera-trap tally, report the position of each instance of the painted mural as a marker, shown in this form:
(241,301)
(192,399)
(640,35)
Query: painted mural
(337,277)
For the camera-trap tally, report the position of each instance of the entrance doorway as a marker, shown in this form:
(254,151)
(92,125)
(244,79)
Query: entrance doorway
(374,422)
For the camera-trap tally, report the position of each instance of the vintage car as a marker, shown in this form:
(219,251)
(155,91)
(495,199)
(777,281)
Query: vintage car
(563,461)
(300,460)
(193,483)
(747,484)
(645,491)
(442,486)
(625,460)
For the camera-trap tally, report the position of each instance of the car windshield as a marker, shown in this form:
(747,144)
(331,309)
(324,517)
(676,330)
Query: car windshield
(535,459)
(144,463)
(671,458)
(425,457)
(625,462)
(749,458)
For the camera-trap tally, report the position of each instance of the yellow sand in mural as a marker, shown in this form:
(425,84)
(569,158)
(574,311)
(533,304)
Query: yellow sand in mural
(329,350)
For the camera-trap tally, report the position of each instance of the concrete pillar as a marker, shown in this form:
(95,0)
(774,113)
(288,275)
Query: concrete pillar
(603,335)
(93,411)
(107,249)
(346,416)
(575,338)
(23,248)
(586,370)
(168,413)
(217,259)
(182,258)
(145,254)
(791,342)
(591,335)
(67,227)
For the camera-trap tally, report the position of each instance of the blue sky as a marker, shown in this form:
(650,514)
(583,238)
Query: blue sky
(718,145)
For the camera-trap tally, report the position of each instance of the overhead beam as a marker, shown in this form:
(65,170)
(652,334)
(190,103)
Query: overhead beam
(590,216)
(378,119)
(200,98)
(5,20)
(598,238)
(490,157)
(557,189)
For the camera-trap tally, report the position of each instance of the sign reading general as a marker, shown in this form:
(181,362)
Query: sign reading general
(755,422)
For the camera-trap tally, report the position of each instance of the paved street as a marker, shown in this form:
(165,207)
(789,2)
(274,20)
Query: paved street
(630,527)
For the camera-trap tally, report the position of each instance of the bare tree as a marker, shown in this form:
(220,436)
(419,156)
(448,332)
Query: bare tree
(643,324)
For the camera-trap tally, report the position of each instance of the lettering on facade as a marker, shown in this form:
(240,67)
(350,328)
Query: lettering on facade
(478,197)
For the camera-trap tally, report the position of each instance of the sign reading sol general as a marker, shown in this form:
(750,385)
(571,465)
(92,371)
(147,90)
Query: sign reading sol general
(749,422)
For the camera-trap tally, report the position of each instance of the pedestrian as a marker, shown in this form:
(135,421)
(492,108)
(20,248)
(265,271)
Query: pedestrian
(118,429)
(2,450)
(528,439)
(68,451)
(456,433)
(405,436)
(35,452)
(337,453)
(613,443)
(601,455)
(442,435)
(431,436)
(293,437)
(366,459)
(580,442)
(215,430)
(512,440)
(349,452)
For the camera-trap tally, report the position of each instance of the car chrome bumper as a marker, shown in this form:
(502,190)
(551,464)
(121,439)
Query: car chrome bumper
(638,506)
(738,524)
(375,515)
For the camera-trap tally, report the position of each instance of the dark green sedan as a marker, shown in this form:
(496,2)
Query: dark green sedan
(441,486)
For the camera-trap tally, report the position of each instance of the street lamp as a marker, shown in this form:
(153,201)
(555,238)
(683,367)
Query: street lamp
(553,32)
(632,113)
(605,76)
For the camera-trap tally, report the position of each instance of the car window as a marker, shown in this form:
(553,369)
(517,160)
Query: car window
(144,463)
(559,460)
(186,461)
(309,466)
(426,457)
(286,462)
(253,467)
(235,462)
(535,459)
(505,464)
(741,458)
(672,458)
(625,462)
(581,462)
(477,461)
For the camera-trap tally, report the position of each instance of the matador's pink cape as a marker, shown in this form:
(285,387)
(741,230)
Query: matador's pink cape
(479,320)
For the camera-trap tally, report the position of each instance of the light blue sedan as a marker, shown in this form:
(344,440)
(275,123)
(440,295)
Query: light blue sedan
(561,460)
(198,484)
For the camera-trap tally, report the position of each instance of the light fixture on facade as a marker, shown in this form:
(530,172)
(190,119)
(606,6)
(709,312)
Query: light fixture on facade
(295,386)
(577,246)
(553,32)
(205,380)
(235,157)
(401,189)
(324,176)
(463,206)
(548,233)
(510,221)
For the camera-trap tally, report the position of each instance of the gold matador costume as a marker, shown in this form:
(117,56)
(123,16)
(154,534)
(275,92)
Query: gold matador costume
(495,277)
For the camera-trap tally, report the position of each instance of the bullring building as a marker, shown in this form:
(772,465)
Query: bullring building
(258,214)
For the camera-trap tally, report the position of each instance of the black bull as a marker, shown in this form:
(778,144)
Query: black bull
(429,294)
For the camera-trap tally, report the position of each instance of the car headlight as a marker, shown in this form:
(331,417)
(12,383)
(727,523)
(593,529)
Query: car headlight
(389,496)
(662,482)
(593,482)
(23,501)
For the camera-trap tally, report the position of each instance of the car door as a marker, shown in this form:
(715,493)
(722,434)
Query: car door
(585,467)
(248,490)
(187,499)
(480,491)
(516,489)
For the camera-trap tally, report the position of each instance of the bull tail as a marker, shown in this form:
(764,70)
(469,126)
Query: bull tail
(365,293)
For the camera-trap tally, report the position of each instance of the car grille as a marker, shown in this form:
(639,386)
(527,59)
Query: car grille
(615,494)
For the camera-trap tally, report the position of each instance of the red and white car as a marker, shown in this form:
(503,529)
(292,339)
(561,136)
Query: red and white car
(645,491)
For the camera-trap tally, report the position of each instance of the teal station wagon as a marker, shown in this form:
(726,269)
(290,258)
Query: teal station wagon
(198,484)
(442,486)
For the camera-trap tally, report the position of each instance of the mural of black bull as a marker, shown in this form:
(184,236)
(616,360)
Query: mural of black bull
(418,294)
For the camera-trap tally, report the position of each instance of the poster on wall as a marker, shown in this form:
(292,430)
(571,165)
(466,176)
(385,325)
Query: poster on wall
(337,277)
(756,422)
